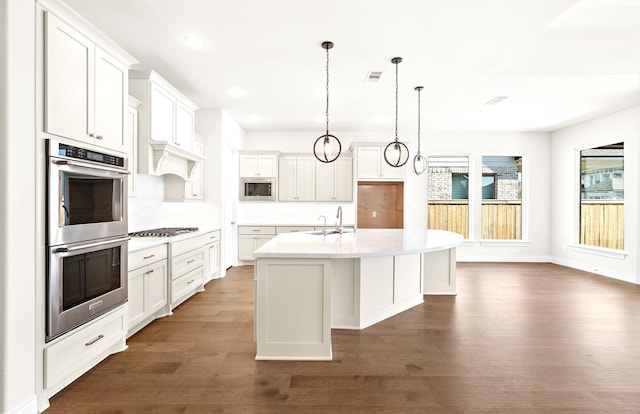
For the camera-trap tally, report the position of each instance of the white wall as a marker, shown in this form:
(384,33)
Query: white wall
(17,207)
(622,126)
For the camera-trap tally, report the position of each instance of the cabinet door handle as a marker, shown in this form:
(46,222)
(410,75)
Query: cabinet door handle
(98,136)
(148,257)
(93,341)
(92,135)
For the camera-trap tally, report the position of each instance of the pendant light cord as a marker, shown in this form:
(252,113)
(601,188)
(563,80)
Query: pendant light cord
(327,111)
(419,88)
(397,101)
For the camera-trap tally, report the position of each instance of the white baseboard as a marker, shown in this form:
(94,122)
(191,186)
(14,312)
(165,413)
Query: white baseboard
(625,277)
(503,259)
(29,406)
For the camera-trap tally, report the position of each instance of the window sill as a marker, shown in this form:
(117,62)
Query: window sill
(599,251)
(505,243)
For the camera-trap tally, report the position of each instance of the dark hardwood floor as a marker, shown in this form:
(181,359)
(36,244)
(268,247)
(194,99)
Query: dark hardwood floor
(518,338)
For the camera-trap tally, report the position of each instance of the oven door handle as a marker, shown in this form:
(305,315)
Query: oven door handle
(85,246)
(93,166)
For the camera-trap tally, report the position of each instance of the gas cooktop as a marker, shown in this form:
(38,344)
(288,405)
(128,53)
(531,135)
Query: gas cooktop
(163,232)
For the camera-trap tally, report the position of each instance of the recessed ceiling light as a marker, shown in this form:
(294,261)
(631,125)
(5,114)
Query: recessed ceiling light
(380,119)
(194,41)
(236,92)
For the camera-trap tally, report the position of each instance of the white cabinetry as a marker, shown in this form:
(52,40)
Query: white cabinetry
(372,166)
(187,269)
(85,88)
(177,189)
(184,126)
(211,255)
(71,355)
(131,139)
(147,286)
(296,178)
(258,165)
(166,126)
(334,181)
(252,237)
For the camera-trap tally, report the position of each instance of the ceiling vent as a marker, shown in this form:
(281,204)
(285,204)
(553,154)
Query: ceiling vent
(496,100)
(374,75)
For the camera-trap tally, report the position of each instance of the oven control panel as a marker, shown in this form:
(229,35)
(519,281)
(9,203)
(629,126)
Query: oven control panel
(70,151)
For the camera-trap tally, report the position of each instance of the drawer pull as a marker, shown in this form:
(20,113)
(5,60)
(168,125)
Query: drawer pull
(256,230)
(191,281)
(148,257)
(191,261)
(93,341)
(148,272)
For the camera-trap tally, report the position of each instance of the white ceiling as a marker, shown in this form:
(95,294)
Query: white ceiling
(558,61)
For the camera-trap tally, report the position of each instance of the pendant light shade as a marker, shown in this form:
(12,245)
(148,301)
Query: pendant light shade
(419,164)
(327,147)
(396,153)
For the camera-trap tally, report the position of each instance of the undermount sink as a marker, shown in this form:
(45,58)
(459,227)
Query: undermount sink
(329,231)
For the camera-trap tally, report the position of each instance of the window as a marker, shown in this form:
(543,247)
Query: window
(602,196)
(502,197)
(448,192)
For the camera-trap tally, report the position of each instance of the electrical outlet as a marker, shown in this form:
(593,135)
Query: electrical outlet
(374,214)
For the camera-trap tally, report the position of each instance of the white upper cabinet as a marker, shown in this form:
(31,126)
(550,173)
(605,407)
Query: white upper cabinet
(162,107)
(258,165)
(166,131)
(131,139)
(85,88)
(296,180)
(334,181)
(184,127)
(372,166)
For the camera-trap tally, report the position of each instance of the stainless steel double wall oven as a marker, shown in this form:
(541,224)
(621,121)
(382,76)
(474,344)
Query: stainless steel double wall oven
(87,235)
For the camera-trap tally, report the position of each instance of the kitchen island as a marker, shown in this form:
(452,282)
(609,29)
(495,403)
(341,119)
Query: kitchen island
(309,283)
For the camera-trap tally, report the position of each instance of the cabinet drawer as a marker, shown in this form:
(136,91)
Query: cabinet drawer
(211,237)
(186,245)
(147,256)
(186,283)
(257,230)
(293,229)
(78,351)
(186,262)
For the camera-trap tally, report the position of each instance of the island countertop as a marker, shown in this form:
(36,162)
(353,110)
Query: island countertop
(362,243)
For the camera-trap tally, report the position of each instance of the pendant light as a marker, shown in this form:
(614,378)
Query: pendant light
(327,147)
(419,162)
(396,153)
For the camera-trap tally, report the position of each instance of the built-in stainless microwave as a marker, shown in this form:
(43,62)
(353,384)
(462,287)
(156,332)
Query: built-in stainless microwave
(257,189)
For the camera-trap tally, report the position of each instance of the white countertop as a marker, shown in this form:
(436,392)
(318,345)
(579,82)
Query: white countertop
(364,242)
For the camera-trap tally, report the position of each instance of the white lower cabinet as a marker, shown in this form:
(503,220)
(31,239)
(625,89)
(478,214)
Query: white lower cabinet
(211,255)
(71,355)
(187,269)
(147,287)
(252,237)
